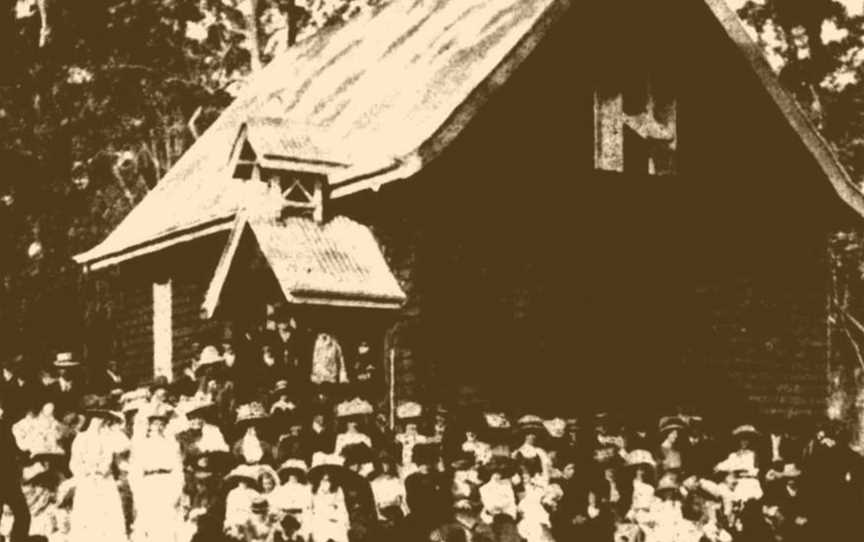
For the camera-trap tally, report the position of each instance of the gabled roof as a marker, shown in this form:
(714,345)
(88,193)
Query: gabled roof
(380,87)
(383,93)
(337,263)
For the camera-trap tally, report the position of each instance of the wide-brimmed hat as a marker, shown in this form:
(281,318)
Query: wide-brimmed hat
(463,461)
(497,420)
(668,485)
(159,412)
(671,423)
(281,386)
(424,454)
(640,458)
(251,412)
(209,357)
(409,411)
(745,431)
(160,383)
(243,473)
(97,406)
(354,408)
(198,408)
(206,464)
(530,423)
(357,454)
(294,465)
(259,505)
(65,360)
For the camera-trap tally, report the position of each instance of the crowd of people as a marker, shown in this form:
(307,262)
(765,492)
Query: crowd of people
(280,448)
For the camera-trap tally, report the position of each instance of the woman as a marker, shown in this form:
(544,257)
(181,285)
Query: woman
(388,489)
(352,435)
(156,476)
(243,488)
(97,511)
(329,521)
(40,482)
(251,448)
(293,497)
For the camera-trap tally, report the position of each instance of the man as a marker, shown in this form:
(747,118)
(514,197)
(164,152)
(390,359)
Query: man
(107,379)
(426,490)
(200,443)
(68,387)
(10,480)
(288,347)
(359,499)
(465,525)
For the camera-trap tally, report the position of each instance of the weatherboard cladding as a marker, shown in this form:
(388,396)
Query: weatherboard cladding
(380,87)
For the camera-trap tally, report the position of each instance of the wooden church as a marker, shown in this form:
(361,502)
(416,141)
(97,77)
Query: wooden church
(548,204)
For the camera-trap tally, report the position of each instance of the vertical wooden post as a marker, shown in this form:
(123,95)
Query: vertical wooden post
(392,388)
(290,9)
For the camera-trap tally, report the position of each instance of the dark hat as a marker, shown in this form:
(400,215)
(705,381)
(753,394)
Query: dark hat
(97,406)
(206,464)
(281,386)
(463,461)
(357,454)
(160,382)
(260,505)
(161,412)
(671,423)
(243,473)
(200,409)
(424,454)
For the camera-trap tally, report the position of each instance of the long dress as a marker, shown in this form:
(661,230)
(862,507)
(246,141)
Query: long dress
(329,521)
(157,470)
(97,511)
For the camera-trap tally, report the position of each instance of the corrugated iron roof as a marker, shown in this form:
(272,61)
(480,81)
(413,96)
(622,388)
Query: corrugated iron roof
(336,263)
(378,87)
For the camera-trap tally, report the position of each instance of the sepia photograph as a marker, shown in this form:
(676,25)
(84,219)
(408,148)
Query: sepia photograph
(431,270)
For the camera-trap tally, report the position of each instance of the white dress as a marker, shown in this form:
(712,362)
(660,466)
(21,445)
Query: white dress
(389,491)
(97,511)
(329,517)
(156,475)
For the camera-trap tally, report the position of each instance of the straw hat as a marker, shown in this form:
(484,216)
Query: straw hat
(409,410)
(497,420)
(354,407)
(209,357)
(640,457)
(65,360)
(251,412)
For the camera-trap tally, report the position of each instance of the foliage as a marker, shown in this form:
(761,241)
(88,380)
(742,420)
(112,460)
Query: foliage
(818,46)
(97,100)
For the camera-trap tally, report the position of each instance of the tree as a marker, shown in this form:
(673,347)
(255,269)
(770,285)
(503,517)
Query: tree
(818,46)
(98,99)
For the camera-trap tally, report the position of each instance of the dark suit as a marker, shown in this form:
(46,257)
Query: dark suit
(10,483)
(360,503)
